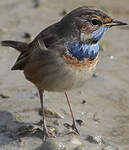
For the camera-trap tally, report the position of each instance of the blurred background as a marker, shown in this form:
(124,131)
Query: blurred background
(106,94)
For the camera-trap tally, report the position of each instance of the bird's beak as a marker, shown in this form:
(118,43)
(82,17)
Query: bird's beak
(115,23)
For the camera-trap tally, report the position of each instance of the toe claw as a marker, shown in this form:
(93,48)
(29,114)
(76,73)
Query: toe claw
(73,127)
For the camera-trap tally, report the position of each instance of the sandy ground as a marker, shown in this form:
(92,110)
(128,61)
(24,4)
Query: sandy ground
(106,111)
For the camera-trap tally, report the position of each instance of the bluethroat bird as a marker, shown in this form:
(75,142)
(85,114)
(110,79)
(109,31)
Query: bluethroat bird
(64,55)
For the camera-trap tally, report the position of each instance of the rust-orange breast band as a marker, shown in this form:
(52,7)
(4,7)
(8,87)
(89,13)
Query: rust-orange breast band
(85,63)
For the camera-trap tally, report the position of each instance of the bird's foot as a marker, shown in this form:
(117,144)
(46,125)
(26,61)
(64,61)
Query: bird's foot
(73,127)
(47,134)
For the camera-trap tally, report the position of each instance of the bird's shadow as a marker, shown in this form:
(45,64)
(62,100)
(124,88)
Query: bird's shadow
(13,130)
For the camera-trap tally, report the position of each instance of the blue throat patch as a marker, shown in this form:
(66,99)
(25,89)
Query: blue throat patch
(82,50)
(97,34)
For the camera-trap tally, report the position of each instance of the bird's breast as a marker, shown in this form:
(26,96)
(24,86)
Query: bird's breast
(78,72)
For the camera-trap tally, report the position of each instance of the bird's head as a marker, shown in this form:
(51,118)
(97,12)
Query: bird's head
(89,23)
(83,28)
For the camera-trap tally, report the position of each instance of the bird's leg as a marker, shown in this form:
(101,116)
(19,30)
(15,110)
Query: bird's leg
(45,130)
(74,124)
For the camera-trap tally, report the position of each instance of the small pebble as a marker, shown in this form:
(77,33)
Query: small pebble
(99,140)
(94,75)
(83,113)
(83,102)
(4,96)
(95,140)
(36,3)
(80,122)
(62,146)
(91,139)
(111,57)
(27,35)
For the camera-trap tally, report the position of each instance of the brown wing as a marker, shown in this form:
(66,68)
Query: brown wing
(49,36)
(45,39)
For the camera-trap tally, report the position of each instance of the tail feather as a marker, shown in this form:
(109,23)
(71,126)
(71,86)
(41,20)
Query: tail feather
(23,49)
(20,46)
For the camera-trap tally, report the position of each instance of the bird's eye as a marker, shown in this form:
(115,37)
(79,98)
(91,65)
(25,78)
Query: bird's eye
(96,22)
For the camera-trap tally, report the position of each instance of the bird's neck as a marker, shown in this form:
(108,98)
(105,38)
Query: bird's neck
(81,50)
